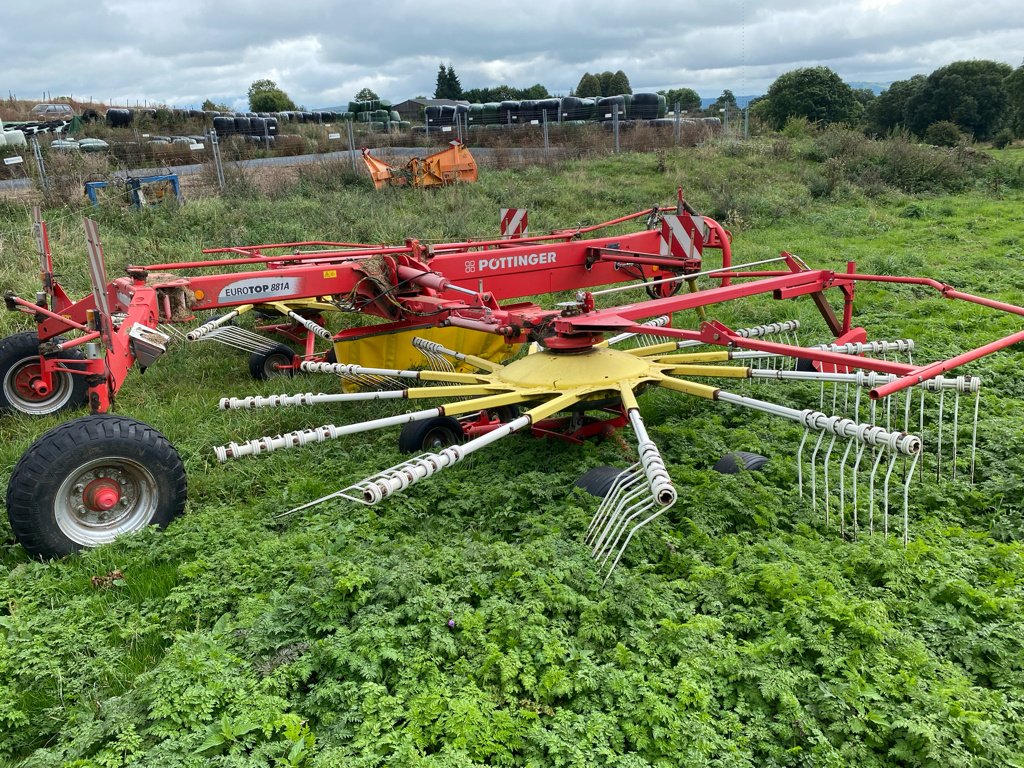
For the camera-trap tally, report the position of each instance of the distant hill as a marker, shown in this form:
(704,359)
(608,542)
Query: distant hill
(875,88)
(741,101)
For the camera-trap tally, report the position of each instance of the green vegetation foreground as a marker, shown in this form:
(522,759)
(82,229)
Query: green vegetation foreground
(465,623)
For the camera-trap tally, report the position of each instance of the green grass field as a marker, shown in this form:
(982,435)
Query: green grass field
(464,622)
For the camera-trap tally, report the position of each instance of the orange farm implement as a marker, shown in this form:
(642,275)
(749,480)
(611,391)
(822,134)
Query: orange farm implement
(449,166)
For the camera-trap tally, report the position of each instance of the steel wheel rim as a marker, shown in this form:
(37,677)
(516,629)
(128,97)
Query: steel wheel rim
(18,393)
(438,437)
(273,365)
(89,525)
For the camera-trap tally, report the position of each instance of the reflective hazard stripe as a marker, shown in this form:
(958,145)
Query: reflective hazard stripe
(513,223)
(682,235)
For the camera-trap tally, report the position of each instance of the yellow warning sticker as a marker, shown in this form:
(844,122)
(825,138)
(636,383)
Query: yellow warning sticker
(329,273)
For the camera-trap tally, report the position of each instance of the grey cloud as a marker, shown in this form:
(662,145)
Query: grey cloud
(321,52)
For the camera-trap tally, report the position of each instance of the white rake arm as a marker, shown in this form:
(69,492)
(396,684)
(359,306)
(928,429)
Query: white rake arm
(868,379)
(315,328)
(901,442)
(754,332)
(197,333)
(307,398)
(398,478)
(344,369)
(319,435)
(851,348)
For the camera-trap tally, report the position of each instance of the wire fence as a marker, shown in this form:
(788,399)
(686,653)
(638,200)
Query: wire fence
(141,165)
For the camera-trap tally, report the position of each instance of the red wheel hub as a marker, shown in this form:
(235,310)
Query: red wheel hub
(28,382)
(101,495)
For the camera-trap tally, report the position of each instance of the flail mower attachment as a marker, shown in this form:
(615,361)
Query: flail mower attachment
(448,166)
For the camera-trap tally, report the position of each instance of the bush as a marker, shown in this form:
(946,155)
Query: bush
(1003,139)
(943,134)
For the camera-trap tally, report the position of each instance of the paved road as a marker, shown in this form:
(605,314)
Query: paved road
(518,154)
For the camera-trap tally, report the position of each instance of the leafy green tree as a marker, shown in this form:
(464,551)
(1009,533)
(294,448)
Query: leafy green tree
(589,86)
(367,95)
(864,96)
(888,110)
(605,78)
(265,96)
(619,83)
(971,94)
(687,98)
(816,93)
(535,91)
(943,134)
(1014,84)
(211,106)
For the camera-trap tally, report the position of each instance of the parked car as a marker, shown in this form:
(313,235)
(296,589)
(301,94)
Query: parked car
(52,112)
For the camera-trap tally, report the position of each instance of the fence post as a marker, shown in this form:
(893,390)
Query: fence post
(746,122)
(44,182)
(615,125)
(679,124)
(351,143)
(218,167)
(544,122)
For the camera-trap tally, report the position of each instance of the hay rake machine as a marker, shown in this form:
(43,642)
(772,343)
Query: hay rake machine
(90,480)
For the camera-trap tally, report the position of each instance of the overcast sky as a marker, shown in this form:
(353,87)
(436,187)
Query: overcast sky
(321,52)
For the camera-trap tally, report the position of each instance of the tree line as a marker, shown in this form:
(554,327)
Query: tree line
(979,99)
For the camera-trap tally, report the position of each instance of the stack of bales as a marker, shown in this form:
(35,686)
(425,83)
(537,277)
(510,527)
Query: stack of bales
(377,115)
(11,138)
(261,130)
(438,116)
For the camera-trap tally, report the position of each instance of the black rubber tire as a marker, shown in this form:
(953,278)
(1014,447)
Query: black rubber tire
(598,481)
(505,413)
(430,435)
(737,461)
(48,480)
(263,365)
(17,354)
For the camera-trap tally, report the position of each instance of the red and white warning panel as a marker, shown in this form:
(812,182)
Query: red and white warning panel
(513,223)
(683,235)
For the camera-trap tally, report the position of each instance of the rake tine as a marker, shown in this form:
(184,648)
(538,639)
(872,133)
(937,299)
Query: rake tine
(800,460)
(842,487)
(814,471)
(632,531)
(974,430)
(921,432)
(956,422)
(885,492)
(906,500)
(629,496)
(627,475)
(828,457)
(856,469)
(871,491)
(938,450)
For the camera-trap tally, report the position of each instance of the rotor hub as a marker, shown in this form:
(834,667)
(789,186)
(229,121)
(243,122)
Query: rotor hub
(597,367)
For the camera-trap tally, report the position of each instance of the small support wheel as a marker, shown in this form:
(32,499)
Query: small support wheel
(21,386)
(91,480)
(599,480)
(738,461)
(277,361)
(430,435)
